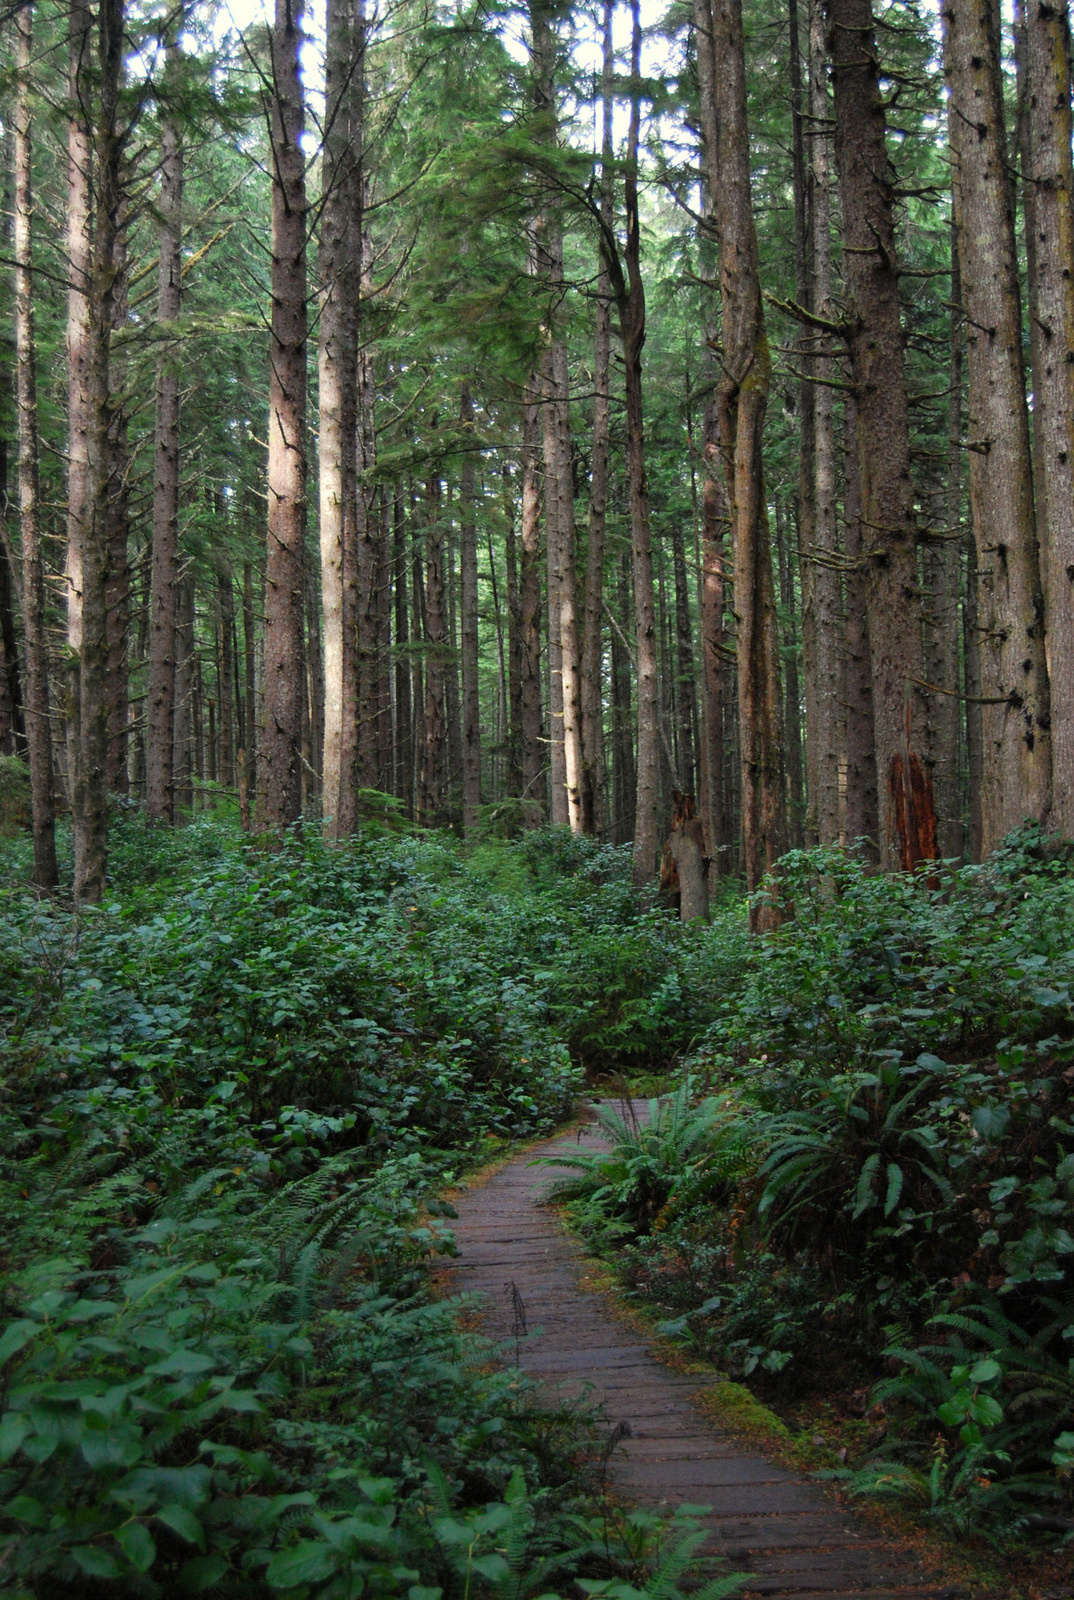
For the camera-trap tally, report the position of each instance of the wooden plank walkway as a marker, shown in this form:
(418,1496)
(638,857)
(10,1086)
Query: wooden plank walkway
(779,1526)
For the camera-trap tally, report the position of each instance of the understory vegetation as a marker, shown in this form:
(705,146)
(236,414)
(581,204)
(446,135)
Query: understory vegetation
(862,1187)
(234,1096)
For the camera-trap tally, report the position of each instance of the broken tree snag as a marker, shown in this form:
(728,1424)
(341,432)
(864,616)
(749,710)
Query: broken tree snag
(684,865)
(914,811)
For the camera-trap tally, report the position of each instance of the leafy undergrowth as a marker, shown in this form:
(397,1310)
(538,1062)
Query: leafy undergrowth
(231,1098)
(862,1191)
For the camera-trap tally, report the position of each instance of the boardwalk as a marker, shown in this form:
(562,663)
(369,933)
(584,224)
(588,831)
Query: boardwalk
(764,1519)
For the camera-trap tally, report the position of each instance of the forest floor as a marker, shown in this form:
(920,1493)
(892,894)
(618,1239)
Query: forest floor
(668,1429)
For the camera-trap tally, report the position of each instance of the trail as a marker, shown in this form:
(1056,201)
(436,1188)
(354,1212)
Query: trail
(776,1524)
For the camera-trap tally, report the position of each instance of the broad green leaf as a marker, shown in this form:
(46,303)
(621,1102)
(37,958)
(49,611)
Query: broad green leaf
(16,1336)
(95,1562)
(309,1562)
(24,1508)
(183,1522)
(201,1573)
(14,1426)
(136,1542)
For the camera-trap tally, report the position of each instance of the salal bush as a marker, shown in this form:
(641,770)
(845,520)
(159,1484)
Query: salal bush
(257,1402)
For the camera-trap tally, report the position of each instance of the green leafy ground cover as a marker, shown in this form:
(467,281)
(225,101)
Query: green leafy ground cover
(230,1101)
(863,1187)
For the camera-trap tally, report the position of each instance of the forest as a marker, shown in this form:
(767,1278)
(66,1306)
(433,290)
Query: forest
(536,561)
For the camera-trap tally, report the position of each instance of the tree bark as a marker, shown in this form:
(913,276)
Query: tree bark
(825,721)
(1015,716)
(592,709)
(941,561)
(792,715)
(860,818)
(432,807)
(184,718)
(624,781)
(715,522)
(90,459)
(164,574)
(117,512)
(11,714)
(743,400)
(566,746)
(404,766)
(630,295)
(279,799)
(715,517)
(1050,228)
(471,704)
(79,265)
(339,275)
(225,680)
(870,271)
(366,573)
(804,225)
(513,774)
(532,759)
(38,709)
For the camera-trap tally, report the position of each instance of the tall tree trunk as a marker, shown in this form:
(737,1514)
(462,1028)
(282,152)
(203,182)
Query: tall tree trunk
(529,588)
(79,266)
(1050,226)
(860,818)
(715,517)
(339,275)
(279,799)
(956,842)
(743,400)
(1017,742)
(804,227)
(184,719)
(164,579)
(11,718)
(630,295)
(118,591)
(825,721)
(971,683)
(417,632)
(592,635)
(624,780)
(314,790)
(715,521)
(432,800)
(684,662)
(90,792)
(248,775)
(471,704)
(404,765)
(941,560)
(498,787)
(366,579)
(566,747)
(792,717)
(225,674)
(452,701)
(384,641)
(870,271)
(38,710)
(513,776)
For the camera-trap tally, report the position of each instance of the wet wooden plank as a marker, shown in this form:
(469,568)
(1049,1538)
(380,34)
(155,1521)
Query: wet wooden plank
(528,1276)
